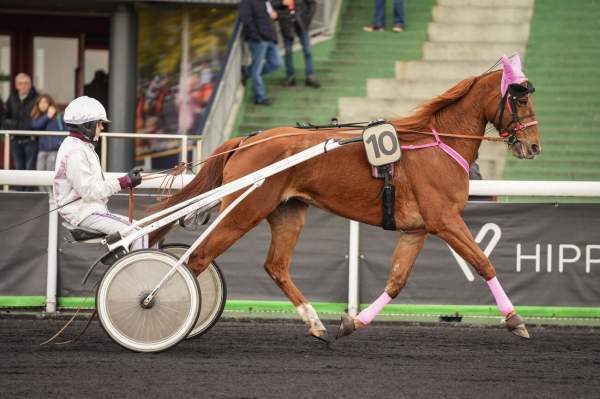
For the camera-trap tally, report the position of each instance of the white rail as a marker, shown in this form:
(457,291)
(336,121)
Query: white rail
(44,178)
(485,187)
(527,188)
(197,151)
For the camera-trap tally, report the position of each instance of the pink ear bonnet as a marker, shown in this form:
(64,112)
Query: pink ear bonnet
(511,72)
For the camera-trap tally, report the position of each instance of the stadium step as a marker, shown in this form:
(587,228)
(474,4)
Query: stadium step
(362,108)
(465,38)
(475,32)
(491,14)
(486,3)
(475,51)
(444,70)
(409,89)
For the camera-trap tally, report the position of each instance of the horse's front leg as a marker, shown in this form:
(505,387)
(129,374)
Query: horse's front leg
(406,252)
(456,233)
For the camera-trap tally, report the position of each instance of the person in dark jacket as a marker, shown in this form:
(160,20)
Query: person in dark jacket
(45,116)
(98,87)
(296,16)
(259,32)
(18,117)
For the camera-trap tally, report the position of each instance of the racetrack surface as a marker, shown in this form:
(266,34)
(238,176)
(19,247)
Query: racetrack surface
(277,360)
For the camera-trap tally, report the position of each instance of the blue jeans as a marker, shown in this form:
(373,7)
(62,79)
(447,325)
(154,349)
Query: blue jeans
(379,19)
(308,60)
(265,58)
(24,155)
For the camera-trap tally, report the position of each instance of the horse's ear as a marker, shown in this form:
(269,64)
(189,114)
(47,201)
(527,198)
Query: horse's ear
(516,63)
(511,72)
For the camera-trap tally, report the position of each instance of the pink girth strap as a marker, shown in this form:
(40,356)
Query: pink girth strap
(446,148)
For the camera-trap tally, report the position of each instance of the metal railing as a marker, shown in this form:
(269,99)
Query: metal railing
(325,17)
(184,149)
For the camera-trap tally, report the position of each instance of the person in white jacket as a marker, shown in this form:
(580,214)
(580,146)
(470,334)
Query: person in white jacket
(80,189)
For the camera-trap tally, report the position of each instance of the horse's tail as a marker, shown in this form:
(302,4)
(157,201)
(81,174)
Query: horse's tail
(210,176)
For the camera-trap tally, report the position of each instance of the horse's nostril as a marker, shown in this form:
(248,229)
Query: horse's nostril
(535,149)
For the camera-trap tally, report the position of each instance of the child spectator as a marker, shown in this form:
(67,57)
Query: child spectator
(44,116)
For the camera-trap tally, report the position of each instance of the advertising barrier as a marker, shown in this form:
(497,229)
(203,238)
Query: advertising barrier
(546,255)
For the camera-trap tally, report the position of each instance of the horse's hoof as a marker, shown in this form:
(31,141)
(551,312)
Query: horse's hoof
(321,335)
(516,325)
(347,326)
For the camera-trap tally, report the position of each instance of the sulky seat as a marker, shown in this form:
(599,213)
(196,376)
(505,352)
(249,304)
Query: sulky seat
(83,234)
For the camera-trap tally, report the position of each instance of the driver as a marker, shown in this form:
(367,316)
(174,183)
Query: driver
(79,184)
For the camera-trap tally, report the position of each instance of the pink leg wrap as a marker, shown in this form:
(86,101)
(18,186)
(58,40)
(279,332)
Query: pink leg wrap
(367,315)
(502,300)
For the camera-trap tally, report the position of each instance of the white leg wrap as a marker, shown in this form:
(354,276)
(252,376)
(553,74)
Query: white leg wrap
(310,317)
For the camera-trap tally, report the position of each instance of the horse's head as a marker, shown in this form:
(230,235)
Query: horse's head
(514,115)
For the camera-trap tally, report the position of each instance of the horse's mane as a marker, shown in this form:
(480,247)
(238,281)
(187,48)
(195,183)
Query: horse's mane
(420,119)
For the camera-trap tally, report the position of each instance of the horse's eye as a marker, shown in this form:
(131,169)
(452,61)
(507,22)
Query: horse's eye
(522,102)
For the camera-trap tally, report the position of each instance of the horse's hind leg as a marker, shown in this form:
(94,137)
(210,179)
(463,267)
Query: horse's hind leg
(286,223)
(407,249)
(457,235)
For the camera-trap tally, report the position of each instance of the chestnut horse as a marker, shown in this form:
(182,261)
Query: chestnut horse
(431,189)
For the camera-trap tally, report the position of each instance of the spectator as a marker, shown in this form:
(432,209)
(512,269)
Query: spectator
(259,32)
(98,87)
(296,16)
(18,117)
(45,117)
(379,19)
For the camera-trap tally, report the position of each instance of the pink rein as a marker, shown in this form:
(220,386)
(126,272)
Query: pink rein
(445,147)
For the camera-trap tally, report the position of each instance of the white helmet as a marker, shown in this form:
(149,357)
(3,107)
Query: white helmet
(84,109)
(83,113)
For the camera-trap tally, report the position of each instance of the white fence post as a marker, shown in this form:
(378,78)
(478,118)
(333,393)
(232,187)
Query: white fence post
(184,149)
(353,256)
(52,273)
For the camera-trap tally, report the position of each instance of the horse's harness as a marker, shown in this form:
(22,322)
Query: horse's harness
(510,99)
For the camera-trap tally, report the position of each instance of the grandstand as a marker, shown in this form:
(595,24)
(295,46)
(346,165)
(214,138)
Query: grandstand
(343,64)
(561,58)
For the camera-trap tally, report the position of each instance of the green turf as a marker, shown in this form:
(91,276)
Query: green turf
(342,65)
(563,58)
(472,314)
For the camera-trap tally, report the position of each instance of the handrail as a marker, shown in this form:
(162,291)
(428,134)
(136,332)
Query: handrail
(104,136)
(325,18)
(41,178)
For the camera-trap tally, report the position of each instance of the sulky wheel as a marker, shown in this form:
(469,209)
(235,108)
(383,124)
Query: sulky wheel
(212,289)
(166,320)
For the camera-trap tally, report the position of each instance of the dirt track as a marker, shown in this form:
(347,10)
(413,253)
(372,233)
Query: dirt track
(276,359)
